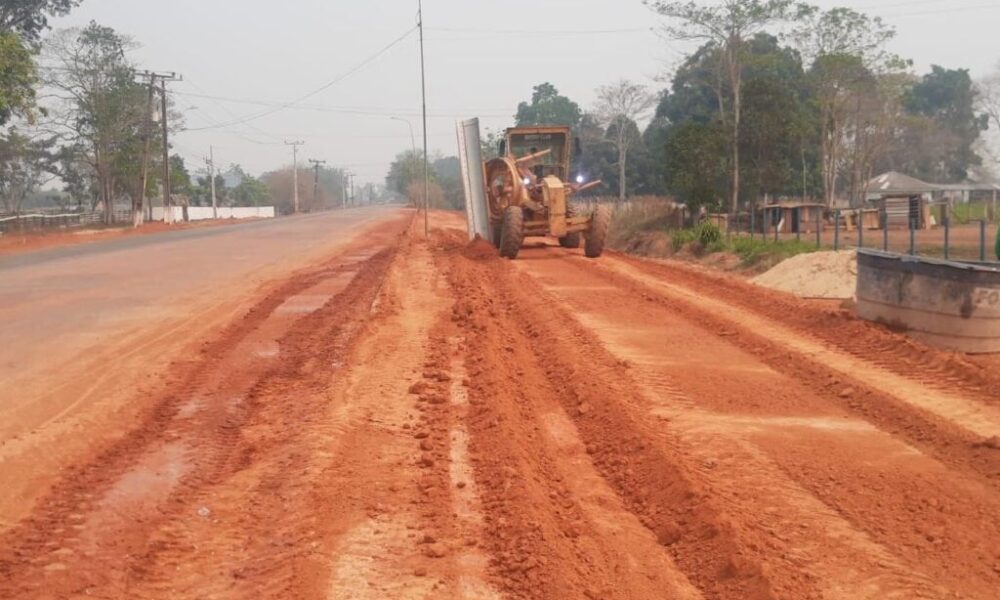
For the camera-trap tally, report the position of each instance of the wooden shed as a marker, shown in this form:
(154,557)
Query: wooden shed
(904,199)
(793,217)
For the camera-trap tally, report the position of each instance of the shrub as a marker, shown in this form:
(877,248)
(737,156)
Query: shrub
(708,233)
(682,237)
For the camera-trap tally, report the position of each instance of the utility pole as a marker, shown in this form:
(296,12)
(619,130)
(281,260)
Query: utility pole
(153,77)
(316,164)
(164,78)
(295,173)
(139,209)
(423,93)
(210,161)
(350,178)
(344,174)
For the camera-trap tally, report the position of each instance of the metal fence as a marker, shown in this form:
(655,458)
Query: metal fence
(972,240)
(36,222)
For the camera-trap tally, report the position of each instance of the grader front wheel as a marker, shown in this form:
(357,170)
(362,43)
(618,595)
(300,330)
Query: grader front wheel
(598,233)
(570,240)
(511,232)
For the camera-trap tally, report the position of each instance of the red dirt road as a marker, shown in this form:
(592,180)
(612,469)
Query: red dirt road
(421,419)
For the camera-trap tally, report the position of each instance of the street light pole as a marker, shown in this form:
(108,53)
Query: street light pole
(413,143)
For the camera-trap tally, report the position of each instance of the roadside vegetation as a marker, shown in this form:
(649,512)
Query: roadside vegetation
(660,228)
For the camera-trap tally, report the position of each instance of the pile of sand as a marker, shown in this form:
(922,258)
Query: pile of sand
(816,275)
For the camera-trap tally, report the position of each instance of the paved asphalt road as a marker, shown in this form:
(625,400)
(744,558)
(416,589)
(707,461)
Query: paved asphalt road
(54,303)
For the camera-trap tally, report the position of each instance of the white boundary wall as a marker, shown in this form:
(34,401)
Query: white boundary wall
(200,213)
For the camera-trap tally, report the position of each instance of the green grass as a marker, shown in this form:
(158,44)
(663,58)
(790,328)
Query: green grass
(754,252)
(659,217)
(682,237)
(962,213)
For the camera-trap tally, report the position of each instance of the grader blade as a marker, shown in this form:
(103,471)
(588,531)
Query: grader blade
(554,194)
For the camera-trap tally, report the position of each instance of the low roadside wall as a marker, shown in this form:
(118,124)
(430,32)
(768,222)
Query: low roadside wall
(200,213)
(954,305)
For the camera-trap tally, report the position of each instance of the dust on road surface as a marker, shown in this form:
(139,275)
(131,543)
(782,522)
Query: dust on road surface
(412,418)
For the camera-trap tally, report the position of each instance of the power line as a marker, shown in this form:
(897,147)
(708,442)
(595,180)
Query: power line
(318,90)
(231,113)
(539,32)
(943,10)
(385,112)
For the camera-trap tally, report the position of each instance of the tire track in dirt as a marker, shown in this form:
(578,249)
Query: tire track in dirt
(420,538)
(948,373)
(752,428)
(866,395)
(554,527)
(109,525)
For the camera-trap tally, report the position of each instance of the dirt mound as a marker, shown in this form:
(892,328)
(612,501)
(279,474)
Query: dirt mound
(830,275)
(479,249)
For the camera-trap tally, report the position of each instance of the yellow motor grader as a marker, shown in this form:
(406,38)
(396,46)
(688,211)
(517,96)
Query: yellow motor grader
(528,188)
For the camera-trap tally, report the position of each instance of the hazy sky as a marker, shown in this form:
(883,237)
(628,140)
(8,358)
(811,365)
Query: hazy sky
(483,57)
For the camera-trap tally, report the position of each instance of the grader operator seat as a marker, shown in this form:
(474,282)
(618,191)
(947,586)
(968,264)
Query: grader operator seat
(556,162)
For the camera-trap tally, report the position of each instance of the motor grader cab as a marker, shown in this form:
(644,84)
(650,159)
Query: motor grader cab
(528,188)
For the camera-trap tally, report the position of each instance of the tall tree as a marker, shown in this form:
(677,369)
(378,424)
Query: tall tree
(727,25)
(102,111)
(988,97)
(548,107)
(845,51)
(29,18)
(25,165)
(773,138)
(18,78)
(619,106)
(407,168)
(948,98)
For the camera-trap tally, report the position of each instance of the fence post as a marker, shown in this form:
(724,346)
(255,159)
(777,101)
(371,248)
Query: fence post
(819,229)
(861,227)
(836,230)
(885,230)
(753,215)
(947,237)
(982,240)
(798,223)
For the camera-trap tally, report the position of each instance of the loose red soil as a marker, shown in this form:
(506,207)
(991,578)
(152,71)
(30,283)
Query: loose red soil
(421,418)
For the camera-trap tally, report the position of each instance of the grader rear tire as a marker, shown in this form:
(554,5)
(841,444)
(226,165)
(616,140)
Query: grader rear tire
(598,233)
(511,232)
(570,240)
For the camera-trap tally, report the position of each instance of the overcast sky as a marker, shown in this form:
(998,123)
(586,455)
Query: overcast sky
(483,57)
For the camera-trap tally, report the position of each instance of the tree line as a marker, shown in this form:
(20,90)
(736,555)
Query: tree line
(777,99)
(75,110)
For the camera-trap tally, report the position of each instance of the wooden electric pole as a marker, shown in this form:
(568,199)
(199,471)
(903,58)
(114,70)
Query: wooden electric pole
(139,205)
(316,164)
(295,174)
(163,79)
(210,161)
